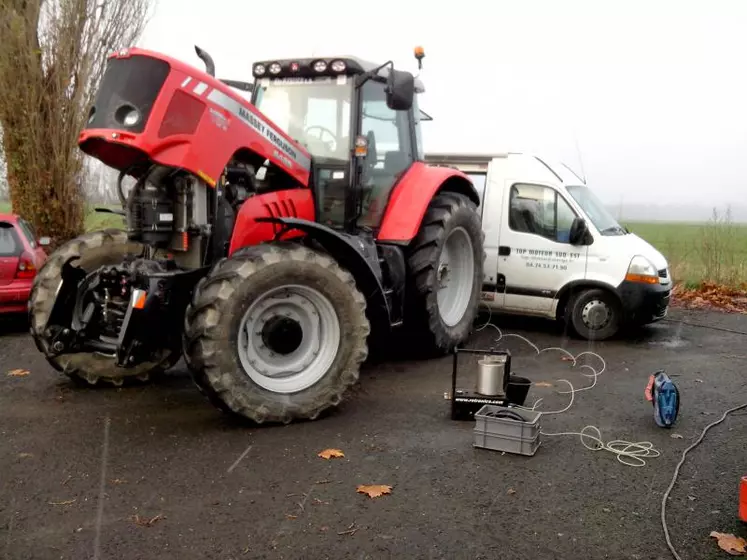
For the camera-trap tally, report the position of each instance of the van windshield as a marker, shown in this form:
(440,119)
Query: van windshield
(605,223)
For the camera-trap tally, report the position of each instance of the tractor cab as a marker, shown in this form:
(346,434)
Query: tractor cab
(358,120)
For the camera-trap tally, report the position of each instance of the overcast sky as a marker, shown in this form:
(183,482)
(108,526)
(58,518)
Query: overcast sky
(653,93)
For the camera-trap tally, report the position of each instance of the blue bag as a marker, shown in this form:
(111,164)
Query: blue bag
(665,396)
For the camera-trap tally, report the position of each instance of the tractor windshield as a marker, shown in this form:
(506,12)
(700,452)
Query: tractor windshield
(313,111)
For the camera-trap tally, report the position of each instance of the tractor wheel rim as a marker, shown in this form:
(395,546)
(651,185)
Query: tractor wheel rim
(289,338)
(596,314)
(455,276)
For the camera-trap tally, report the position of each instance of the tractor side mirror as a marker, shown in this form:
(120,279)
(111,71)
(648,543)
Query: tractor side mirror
(400,90)
(578,235)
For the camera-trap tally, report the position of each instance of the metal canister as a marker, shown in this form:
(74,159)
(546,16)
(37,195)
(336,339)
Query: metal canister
(490,374)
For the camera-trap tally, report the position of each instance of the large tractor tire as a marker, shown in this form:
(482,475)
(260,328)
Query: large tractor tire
(445,267)
(276,333)
(95,249)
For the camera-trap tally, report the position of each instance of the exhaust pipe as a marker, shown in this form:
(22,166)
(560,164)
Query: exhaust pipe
(207,59)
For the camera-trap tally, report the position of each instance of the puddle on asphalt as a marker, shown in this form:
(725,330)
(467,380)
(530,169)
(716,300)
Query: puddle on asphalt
(670,343)
(671,340)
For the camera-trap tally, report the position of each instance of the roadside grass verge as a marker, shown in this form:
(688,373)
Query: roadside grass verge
(708,260)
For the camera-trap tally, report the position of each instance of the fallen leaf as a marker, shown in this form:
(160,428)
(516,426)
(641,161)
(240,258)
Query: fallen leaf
(543,384)
(736,546)
(18,373)
(350,531)
(65,503)
(118,481)
(289,516)
(144,522)
(511,491)
(676,436)
(711,295)
(698,381)
(374,491)
(329,453)
(25,455)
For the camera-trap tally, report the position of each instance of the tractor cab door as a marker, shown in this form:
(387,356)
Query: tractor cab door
(391,150)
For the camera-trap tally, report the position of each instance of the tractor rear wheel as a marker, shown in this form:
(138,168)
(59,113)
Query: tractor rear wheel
(276,333)
(94,250)
(445,263)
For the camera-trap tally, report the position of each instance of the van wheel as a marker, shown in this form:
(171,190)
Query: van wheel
(594,314)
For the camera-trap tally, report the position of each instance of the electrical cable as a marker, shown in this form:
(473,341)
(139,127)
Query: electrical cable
(677,472)
(702,326)
(628,453)
(631,454)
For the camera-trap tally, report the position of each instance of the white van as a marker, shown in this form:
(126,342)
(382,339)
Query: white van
(554,251)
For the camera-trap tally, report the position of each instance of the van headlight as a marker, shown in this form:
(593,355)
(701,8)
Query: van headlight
(642,270)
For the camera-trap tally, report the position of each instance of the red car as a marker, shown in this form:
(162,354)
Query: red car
(21,256)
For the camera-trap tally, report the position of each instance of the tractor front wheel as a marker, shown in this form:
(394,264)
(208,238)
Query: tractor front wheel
(93,250)
(276,333)
(445,265)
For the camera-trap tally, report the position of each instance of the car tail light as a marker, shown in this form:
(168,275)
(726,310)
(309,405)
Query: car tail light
(26,267)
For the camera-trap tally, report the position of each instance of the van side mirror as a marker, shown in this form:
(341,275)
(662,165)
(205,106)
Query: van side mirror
(579,233)
(400,90)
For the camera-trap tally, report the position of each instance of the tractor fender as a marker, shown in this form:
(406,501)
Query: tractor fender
(413,193)
(349,252)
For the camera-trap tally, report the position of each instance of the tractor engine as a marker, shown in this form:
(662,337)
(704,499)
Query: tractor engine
(175,212)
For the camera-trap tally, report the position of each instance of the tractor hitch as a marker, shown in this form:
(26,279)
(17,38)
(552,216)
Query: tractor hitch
(129,312)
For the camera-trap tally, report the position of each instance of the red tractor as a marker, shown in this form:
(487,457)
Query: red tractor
(266,237)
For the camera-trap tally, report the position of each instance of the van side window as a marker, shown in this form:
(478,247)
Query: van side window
(540,211)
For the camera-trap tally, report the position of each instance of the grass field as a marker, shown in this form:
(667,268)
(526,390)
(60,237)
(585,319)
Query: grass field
(94,220)
(714,251)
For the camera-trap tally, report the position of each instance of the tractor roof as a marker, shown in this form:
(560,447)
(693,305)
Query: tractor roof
(320,66)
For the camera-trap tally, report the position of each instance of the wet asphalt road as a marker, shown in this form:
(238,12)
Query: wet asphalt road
(77,465)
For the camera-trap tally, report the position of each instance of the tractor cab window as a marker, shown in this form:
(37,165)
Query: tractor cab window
(390,150)
(314,112)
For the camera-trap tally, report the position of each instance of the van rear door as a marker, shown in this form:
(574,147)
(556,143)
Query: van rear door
(490,193)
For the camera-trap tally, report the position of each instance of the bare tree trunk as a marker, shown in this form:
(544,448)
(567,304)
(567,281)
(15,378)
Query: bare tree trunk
(52,56)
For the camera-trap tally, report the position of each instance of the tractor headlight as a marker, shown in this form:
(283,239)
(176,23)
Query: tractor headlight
(338,66)
(259,69)
(127,115)
(320,66)
(642,270)
(131,118)
(275,68)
